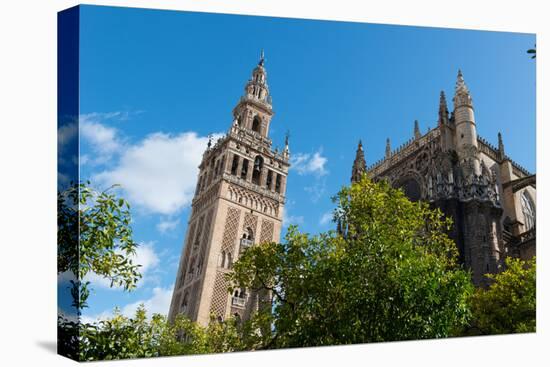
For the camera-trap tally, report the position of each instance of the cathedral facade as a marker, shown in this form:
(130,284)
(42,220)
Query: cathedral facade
(490,198)
(238,202)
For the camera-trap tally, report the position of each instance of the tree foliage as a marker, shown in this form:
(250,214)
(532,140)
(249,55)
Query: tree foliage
(121,337)
(509,304)
(94,236)
(389,273)
(392,274)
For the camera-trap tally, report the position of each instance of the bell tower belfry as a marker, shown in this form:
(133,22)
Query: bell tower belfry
(238,203)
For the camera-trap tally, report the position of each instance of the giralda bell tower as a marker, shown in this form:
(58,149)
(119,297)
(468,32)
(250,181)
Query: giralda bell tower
(238,203)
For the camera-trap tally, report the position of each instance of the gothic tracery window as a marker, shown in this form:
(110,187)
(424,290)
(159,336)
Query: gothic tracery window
(529,214)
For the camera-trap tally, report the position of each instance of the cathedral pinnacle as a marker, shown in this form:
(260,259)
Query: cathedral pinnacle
(388,148)
(359,164)
(417,133)
(500,146)
(286,150)
(443,111)
(462,94)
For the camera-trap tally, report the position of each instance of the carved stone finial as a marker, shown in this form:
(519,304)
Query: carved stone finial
(462,94)
(388,148)
(417,133)
(501,153)
(443,117)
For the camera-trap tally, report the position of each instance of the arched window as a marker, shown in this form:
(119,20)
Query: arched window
(229,261)
(244,170)
(278,183)
(529,214)
(234,165)
(249,233)
(222,260)
(256,124)
(257,170)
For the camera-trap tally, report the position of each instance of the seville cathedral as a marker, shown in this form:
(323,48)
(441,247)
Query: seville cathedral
(490,198)
(240,196)
(238,202)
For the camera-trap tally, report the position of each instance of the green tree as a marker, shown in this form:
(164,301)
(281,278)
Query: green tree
(509,304)
(392,275)
(94,236)
(122,337)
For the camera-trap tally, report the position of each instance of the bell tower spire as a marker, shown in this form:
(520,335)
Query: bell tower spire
(238,203)
(254,110)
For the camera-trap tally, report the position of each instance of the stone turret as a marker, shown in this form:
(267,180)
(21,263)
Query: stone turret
(466,134)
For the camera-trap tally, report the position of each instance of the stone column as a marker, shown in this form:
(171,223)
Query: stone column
(249,171)
(283,185)
(228,163)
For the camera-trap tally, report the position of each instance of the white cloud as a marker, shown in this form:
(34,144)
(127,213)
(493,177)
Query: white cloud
(325,218)
(305,163)
(145,256)
(316,190)
(168,225)
(159,173)
(159,302)
(292,219)
(104,139)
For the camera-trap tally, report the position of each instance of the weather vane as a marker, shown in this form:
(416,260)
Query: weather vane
(262,57)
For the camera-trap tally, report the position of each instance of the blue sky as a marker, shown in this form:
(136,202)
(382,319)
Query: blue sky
(154,84)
